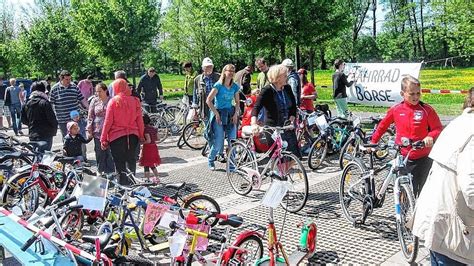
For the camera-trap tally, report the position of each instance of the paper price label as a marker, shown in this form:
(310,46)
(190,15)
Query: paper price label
(275,194)
(177,242)
(167,218)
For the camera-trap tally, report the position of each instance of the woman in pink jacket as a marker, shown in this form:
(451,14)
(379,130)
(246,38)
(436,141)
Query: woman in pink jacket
(123,128)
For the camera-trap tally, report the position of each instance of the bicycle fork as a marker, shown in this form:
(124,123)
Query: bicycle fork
(399,181)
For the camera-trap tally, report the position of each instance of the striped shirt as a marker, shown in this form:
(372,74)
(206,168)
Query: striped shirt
(65,100)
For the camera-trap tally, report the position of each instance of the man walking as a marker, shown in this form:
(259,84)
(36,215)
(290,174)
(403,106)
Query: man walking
(150,86)
(12,100)
(65,98)
(262,79)
(293,80)
(203,84)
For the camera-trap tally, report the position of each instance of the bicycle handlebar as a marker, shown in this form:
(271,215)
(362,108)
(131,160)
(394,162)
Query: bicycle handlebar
(175,226)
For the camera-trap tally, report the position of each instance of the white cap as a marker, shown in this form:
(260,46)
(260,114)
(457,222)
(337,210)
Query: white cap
(288,63)
(207,62)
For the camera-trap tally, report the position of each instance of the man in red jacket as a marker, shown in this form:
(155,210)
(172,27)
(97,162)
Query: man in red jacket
(414,120)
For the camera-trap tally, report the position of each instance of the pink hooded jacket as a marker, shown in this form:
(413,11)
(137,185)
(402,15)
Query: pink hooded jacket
(123,115)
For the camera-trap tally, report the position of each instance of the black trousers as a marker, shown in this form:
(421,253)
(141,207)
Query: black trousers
(419,168)
(124,154)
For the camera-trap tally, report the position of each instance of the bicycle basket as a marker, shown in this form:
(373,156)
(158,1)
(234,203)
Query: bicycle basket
(263,141)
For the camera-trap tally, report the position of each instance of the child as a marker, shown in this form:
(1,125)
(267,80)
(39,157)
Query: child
(73,141)
(22,94)
(75,116)
(150,157)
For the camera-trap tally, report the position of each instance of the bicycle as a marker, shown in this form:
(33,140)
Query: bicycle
(306,247)
(243,172)
(331,138)
(246,248)
(362,190)
(357,137)
(193,133)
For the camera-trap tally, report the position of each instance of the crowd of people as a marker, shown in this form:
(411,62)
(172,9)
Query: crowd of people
(117,126)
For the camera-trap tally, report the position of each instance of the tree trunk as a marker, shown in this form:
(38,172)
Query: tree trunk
(311,64)
(417,32)
(422,28)
(282,51)
(374,8)
(324,64)
(411,35)
(297,57)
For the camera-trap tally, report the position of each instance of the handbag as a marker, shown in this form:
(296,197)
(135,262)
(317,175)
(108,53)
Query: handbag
(8,98)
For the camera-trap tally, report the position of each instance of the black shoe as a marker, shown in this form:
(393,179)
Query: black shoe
(221,159)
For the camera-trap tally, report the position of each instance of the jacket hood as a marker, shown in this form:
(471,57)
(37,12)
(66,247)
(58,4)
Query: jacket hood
(120,86)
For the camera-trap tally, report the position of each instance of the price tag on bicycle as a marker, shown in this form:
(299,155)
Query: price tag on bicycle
(275,194)
(176,243)
(356,122)
(321,122)
(312,119)
(167,218)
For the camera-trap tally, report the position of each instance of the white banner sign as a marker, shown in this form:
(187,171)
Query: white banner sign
(378,83)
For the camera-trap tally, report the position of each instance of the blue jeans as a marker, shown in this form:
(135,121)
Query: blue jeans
(218,145)
(438,259)
(15,111)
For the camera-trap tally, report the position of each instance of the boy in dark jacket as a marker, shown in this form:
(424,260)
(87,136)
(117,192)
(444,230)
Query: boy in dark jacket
(39,116)
(73,142)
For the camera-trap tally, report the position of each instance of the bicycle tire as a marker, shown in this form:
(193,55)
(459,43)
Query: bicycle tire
(382,154)
(177,119)
(240,156)
(180,142)
(38,196)
(317,154)
(297,195)
(240,256)
(193,135)
(191,204)
(133,260)
(161,126)
(79,222)
(344,198)
(350,149)
(406,214)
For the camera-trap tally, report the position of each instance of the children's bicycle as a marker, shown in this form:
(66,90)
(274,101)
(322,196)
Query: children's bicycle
(246,248)
(243,171)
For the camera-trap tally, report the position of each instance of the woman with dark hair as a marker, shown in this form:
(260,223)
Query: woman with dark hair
(308,92)
(340,82)
(95,122)
(39,116)
(123,127)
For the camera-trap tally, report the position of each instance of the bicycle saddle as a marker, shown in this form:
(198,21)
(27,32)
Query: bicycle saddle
(8,165)
(37,144)
(66,160)
(11,155)
(103,238)
(233,220)
(176,186)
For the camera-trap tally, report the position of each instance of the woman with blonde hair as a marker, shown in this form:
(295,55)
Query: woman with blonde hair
(223,116)
(280,105)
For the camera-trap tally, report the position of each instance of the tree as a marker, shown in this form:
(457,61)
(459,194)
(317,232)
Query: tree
(115,31)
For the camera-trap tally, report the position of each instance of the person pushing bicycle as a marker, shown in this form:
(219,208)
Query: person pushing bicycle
(415,120)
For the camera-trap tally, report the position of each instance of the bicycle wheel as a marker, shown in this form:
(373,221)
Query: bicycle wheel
(161,125)
(73,220)
(200,205)
(133,260)
(239,161)
(250,250)
(290,168)
(352,191)
(17,193)
(193,135)
(317,154)
(180,142)
(386,137)
(349,150)
(176,119)
(408,242)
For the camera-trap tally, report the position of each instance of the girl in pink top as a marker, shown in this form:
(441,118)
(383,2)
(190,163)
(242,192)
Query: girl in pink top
(123,128)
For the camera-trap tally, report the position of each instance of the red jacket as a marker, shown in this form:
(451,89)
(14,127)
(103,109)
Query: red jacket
(411,121)
(123,116)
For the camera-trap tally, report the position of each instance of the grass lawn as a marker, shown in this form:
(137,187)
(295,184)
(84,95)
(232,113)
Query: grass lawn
(447,104)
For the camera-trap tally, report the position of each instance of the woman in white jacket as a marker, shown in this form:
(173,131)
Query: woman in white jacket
(444,215)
